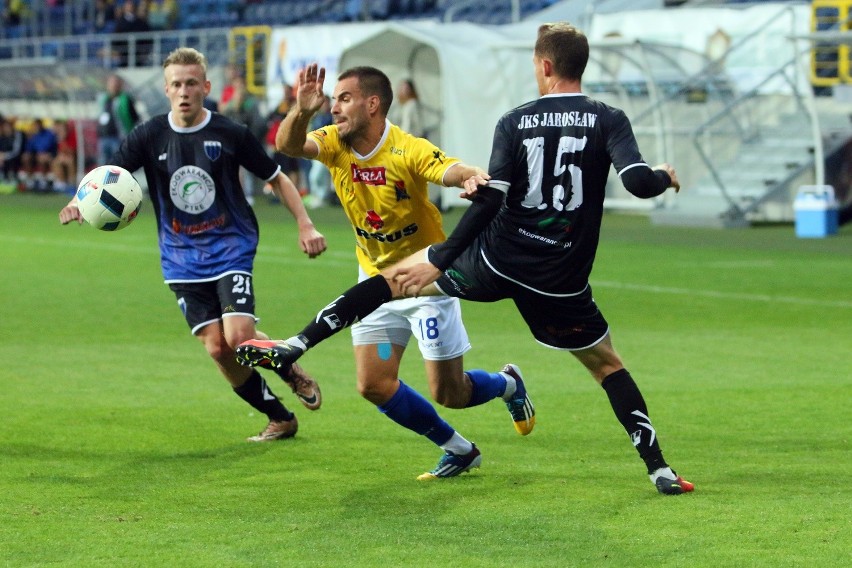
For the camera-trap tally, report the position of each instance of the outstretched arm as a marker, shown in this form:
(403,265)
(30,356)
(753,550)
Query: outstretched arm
(647,182)
(291,138)
(469,178)
(411,279)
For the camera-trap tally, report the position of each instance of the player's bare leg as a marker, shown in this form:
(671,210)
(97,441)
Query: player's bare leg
(248,385)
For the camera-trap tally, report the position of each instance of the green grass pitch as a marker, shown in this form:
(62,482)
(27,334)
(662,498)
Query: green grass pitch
(121,445)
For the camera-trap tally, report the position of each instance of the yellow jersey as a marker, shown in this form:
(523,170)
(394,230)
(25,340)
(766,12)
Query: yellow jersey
(385,193)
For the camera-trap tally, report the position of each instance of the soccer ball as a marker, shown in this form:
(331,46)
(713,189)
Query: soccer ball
(109,198)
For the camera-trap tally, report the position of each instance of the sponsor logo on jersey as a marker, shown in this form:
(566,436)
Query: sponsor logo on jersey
(213,149)
(547,240)
(387,237)
(458,281)
(196,228)
(192,189)
(370,176)
(374,220)
(438,156)
(401,192)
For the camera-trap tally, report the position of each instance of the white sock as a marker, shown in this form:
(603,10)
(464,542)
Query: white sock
(511,386)
(662,472)
(296,342)
(458,445)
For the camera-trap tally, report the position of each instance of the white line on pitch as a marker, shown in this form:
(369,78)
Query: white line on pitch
(723,295)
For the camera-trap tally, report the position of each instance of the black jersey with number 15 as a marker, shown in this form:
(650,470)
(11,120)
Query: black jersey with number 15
(552,156)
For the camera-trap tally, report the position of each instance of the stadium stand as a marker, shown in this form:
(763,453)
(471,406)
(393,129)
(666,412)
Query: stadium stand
(45,19)
(743,143)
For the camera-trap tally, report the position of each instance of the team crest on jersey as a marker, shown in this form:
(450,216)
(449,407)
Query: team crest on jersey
(192,189)
(374,220)
(369,176)
(401,192)
(213,149)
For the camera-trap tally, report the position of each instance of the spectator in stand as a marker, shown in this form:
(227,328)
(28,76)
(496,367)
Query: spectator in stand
(129,22)
(356,11)
(289,165)
(105,11)
(244,108)
(12,144)
(319,178)
(232,71)
(14,14)
(38,156)
(145,44)
(64,165)
(117,118)
(407,112)
(162,14)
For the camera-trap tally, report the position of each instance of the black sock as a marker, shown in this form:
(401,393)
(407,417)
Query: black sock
(255,392)
(355,303)
(631,411)
(283,372)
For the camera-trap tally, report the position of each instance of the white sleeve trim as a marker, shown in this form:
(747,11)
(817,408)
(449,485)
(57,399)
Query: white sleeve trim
(275,175)
(631,166)
(499,184)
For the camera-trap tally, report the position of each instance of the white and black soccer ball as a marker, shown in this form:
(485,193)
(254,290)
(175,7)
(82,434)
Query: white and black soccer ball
(109,198)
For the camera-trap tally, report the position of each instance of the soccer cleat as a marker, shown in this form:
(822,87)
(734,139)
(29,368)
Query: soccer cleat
(520,406)
(451,465)
(267,354)
(277,430)
(677,486)
(304,387)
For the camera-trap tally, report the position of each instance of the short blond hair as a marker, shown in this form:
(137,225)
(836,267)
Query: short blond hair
(186,56)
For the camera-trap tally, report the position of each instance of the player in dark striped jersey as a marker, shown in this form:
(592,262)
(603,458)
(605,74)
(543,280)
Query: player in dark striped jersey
(532,232)
(208,233)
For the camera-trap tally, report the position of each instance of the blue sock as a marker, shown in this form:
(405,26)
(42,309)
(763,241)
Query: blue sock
(410,409)
(486,386)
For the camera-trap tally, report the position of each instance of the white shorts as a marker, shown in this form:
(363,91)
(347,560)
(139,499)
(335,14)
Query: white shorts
(435,321)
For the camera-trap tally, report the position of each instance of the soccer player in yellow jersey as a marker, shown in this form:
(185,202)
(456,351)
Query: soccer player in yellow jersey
(381,174)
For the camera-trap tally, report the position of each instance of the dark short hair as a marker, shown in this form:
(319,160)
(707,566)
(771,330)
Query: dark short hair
(564,45)
(372,82)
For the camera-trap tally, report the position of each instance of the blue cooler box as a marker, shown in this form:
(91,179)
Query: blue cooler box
(816,211)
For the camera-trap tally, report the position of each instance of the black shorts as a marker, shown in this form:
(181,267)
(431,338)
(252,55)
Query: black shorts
(288,164)
(205,302)
(564,321)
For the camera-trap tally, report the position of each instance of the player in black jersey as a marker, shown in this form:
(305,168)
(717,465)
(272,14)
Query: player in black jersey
(532,232)
(207,231)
